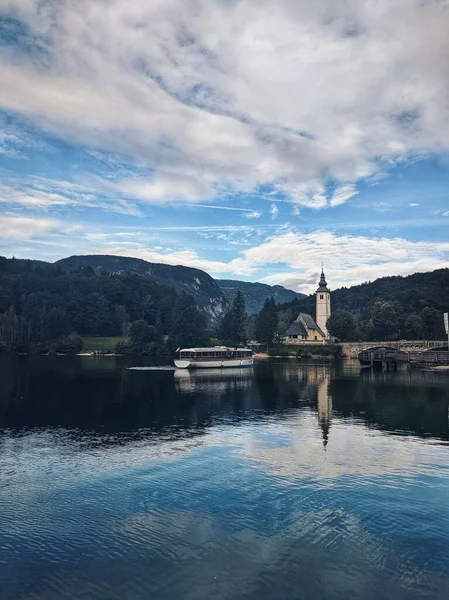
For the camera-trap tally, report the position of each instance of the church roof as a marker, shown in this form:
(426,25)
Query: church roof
(296,328)
(308,320)
(310,323)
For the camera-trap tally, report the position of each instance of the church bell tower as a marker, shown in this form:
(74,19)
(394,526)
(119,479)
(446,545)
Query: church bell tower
(323,304)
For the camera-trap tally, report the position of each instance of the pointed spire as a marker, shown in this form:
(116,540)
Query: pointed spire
(323,282)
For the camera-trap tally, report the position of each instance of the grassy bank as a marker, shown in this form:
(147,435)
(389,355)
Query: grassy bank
(101,344)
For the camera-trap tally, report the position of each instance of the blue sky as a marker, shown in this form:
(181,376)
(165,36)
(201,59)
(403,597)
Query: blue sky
(248,138)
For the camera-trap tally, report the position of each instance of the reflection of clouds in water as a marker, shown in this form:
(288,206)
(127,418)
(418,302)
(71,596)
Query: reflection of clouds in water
(352,450)
(320,551)
(53,455)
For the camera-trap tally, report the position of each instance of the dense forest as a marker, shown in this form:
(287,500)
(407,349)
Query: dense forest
(199,284)
(389,308)
(44,308)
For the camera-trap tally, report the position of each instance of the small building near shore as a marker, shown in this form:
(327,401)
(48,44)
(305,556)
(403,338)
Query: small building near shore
(305,329)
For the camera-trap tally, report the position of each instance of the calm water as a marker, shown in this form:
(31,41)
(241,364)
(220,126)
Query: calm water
(287,481)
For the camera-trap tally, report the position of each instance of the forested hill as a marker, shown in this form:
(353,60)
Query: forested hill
(207,293)
(45,308)
(255,294)
(410,295)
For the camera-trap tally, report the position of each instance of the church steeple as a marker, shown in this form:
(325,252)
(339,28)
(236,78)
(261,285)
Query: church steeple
(322,286)
(323,282)
(323,303)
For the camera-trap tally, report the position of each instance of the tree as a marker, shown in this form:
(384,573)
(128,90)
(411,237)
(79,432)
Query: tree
(188,326)
(414,328)
(433,323)
(267,322)
(388,319)
(226,330)
(142,337)
(341,324)
(71,344)
(239,319)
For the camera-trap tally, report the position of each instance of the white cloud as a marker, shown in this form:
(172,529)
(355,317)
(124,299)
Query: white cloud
(289,258)
(188,258)
(274,211)
(236,95)
(254,214)
(24,228)
(37,193)
(342,194)
(167,187)
(348,259)
(296,258)
(413,204)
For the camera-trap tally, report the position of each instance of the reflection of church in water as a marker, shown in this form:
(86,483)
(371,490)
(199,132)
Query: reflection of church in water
(319,376)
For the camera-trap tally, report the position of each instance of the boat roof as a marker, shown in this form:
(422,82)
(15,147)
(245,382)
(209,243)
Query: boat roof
(212,349)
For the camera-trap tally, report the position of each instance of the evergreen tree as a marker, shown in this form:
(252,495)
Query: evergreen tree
(226,330)
(267,322)
(239,319)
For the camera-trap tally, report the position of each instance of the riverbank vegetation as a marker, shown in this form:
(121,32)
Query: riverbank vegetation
(305,351)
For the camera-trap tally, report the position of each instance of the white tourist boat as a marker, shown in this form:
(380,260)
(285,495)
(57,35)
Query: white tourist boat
(217,357)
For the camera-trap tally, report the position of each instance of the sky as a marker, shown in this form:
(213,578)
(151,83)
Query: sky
(252,139)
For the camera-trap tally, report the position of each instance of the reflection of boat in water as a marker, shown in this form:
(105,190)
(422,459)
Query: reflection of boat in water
(216,380)
(212,358)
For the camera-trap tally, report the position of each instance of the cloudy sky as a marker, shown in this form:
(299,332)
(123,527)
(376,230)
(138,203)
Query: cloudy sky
(253,139)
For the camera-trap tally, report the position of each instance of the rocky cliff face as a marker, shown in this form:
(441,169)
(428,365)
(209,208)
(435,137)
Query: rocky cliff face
(199,284)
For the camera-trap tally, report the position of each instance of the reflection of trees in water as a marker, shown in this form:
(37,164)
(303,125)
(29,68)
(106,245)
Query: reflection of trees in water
(100,395)
(401,402)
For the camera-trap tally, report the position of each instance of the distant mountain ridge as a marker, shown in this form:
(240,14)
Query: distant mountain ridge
(214,296)
(200,285)
(256,293)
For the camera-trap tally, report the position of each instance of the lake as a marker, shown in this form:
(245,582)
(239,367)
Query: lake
(286,481)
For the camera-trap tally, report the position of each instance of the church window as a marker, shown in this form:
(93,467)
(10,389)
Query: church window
(321,296)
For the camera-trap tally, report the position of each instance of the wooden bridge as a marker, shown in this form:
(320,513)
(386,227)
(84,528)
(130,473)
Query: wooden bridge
(389,357)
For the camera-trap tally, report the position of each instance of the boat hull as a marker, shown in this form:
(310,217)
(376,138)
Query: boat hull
(214,364)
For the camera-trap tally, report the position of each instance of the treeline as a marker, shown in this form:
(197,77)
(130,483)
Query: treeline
(388,321)
(43,308)
(390,308)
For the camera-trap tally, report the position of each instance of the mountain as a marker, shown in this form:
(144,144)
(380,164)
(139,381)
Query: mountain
(255,294)
(199,284)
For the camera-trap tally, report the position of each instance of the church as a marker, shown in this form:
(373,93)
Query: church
(305,329)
